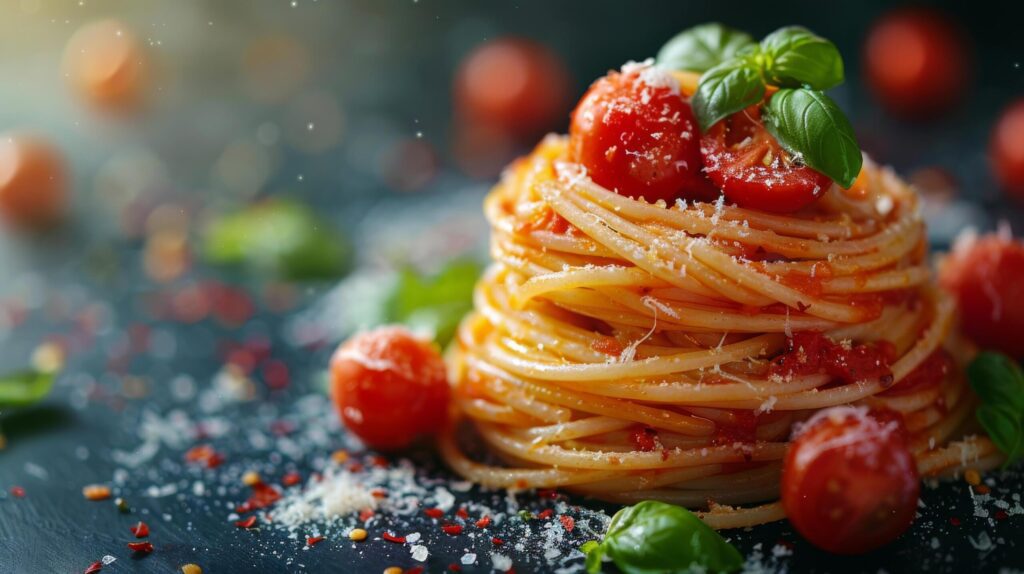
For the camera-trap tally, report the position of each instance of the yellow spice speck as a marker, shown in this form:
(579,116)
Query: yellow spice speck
(357,535)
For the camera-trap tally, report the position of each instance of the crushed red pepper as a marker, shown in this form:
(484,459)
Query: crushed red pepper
(94,567)
(140,530)
(204,454)
(141,547)
(434,512)
(483,522)
(17,492)
(291,479)
(452,529)
(461,513)
(314,540)
(392,538)
(545,514)
(246,523)
(263,495)
(567,522)
(497,541)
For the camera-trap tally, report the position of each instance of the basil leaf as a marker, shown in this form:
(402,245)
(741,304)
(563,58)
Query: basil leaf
(794,56)
(700,48)
(24,388)
(1004,427)
(726,89)
(811,126)
(594,553)
(656,537)
(997,380)
(278,237)
(435,303)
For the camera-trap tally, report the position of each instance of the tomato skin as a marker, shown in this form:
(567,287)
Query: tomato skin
(1006,147)
(916,62)
(986,275)
(636,135)
(389,387)
(734,152)
(849,482)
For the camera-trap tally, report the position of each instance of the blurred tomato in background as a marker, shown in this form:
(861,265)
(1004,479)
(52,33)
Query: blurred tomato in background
(1006,148)
(107,65)
(33,181)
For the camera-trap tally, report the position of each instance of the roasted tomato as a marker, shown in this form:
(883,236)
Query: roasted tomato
(753,170)
(916,62)
(635,134)
(849,482)
(389,387)
(986,275)
(1006,148)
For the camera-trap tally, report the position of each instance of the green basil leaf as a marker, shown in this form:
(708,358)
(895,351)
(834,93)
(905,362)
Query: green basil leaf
(997,380)
(794,56)
(703,47)
(812,127)
(726,89)
(1004,427)
(279,237)
(594,553)
(24,388)
(435,303)
(656,537)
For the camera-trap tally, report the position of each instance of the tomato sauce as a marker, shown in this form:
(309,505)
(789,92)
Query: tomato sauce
(930,373)
(742,429)
(811,352)
(607,346)
(546,220)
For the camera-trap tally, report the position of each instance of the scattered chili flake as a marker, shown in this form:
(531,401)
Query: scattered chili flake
(140,530)
(954,521)
(1001,515)
(365,514)
(453,567)
(314,540)
(547,493)
(434,512)
(982,489)
(545,514)
(392,538)
(379,493)
(17,492)
(483,522)
(96,492)
(263,495)
(567,522)
(414,570)
(141,547)
(94,567)
(452,529)
(246,523)
(204,454)
(461,513)
(380,462)
(355,467)
(497,541)
(291,479)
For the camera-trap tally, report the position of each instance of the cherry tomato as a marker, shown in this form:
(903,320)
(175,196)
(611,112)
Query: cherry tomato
(753,170)
(636,135)
(32,181)
(514,84)
(389,387)
(1007,149)
(986,275)
(106,64)
(849,482)
(916,62)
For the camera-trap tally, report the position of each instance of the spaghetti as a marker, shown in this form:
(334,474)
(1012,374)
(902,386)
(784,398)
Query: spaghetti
(628,350)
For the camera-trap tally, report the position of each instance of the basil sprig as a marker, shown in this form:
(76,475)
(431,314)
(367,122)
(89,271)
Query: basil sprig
(24,388)
(656,537)
(703,47)
(806,122)
(999,383)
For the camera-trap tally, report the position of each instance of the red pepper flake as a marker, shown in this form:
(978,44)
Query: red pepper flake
(454,567)
(380,462)
(483,522)
(94,567)
(291,479)
(204,454)
(954,521)
(1001,515)
(392,538)
(246,523)
(365,514)
(263,495)
(461,513)
(567,522)
(141,547)
(379,493)
(140,530)
(355,467)
(314,540)
(414,570)
(452,529)
(497,541)
(545,514)
(547,493)
(17,492)
(434,512)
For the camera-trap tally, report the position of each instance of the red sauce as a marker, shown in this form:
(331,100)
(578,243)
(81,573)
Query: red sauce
(811,352)
(929,373)
(813,285)
(546,220)
(743,429)
(607,345)
(645,439)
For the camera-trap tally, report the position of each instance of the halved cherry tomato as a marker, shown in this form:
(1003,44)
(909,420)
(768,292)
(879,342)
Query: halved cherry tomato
(849,482)
(986,275)
(635,134)
(753,170)
(389,387)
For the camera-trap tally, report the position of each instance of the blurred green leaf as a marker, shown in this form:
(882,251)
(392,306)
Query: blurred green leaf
(437,302)
(24,388)
(278,237)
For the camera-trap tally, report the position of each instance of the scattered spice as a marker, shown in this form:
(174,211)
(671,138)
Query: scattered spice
(452,529)
(434,512)
(314,540)
(204,454)
(954,521)
(17,492)
(567,522)
(94,567)
(379,493)
(461,513)
(96,492)
(246,523)
(357,535)
(497,541)
(340,456)
(483,522)
(982,489)
(454,567)
(972,477)
(122,505)
(392,538)
(291,479)
(263,495)
(393,570)
(365,514)
(140,530)
(191,569)
(141,547)
(414,570)
(545,514)
(251,478)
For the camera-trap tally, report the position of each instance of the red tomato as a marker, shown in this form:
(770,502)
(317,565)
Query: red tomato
(33,181)
(389,387)
(752,169)
(1007,149)
(916,62)
(849,482)
(986,275)
(636,135)
(513,84)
